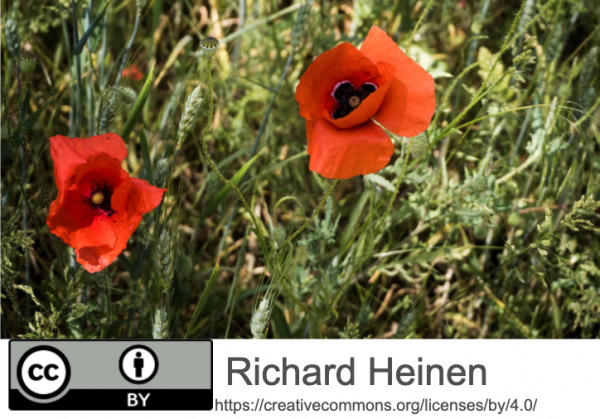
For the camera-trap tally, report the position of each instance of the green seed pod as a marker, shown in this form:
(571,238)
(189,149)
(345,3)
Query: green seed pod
(480,231)
(480,184)
(163,258)
(28,63)
(514,219)
(419,145)
(209,46)
(184,265)
(161,170)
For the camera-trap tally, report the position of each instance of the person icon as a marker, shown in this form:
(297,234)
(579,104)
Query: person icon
(138,364)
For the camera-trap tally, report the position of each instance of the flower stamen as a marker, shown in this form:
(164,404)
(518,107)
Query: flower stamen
(97,198)
(100,199)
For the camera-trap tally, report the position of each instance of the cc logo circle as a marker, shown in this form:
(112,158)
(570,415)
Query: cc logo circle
(43,372)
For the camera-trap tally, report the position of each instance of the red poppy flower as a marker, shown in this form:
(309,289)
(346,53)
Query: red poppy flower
(98,205)
(133,72)
(345,90)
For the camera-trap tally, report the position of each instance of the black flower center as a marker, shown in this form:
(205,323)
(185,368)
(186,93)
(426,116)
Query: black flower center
(349,98)
(100,199)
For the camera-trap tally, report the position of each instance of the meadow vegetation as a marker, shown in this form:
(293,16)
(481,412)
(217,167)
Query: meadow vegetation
(485,226)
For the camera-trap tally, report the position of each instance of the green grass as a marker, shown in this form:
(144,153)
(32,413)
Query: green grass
(486,226)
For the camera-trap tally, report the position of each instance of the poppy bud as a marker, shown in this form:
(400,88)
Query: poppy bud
(209,46)
(480,184)
(28,63)
(109,105)
(127,94)
(419,146)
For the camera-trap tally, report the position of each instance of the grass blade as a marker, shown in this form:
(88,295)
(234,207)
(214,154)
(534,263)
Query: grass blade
(136,112)
(90,29)
(225,190)
(203,298)
(146,156)
(281,326)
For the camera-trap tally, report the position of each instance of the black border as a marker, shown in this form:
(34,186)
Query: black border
(37,406)
(131,348)
(20,375)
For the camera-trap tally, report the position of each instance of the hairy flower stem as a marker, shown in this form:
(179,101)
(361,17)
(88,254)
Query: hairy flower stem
(398,183)
(107,308)
(214,168)
(310,220)
(418,25)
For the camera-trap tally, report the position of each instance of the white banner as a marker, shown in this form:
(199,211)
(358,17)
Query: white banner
(400,378)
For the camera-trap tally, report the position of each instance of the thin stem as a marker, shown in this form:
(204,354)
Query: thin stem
(398,183)
(216,171)
(418,25)
(107,308)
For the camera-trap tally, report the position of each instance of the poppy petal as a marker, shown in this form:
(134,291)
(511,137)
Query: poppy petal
(143,197)
(410,102)
(342,63)
(344,153)
(96,258)
(69,153)
(76,225)
(69,215)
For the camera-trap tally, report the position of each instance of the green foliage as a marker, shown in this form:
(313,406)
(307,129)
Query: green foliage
(483,226)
